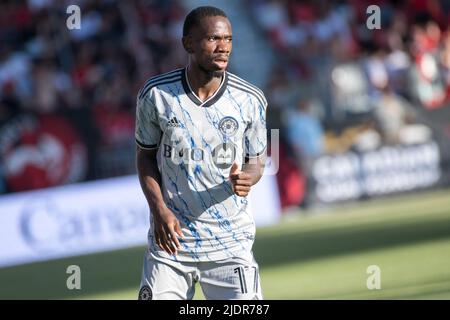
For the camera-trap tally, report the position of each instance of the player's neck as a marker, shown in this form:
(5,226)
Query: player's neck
(203,83)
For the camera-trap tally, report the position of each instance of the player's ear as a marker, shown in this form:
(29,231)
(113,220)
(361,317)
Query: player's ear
(187,44)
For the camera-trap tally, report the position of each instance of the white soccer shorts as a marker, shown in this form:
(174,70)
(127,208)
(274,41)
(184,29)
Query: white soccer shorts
(234,278)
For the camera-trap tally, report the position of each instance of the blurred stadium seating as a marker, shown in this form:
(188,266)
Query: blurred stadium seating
(67,96)
(340,88)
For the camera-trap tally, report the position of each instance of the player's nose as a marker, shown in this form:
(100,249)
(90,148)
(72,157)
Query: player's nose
(223,47)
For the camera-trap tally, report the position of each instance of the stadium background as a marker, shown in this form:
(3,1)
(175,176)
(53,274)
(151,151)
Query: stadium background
(363,153)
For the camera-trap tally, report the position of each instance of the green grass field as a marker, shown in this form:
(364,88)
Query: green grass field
(322,255)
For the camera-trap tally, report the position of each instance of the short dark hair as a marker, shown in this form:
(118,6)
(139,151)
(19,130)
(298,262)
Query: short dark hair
(195,16)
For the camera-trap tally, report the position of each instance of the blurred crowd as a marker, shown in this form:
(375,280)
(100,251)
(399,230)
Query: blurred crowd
(67,97)
(342,85)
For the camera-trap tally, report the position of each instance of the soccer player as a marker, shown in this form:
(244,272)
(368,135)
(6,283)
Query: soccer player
(201,146)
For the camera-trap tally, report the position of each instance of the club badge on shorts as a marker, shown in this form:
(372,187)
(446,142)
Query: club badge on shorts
(145,293)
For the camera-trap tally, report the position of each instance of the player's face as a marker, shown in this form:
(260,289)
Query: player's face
(211,44)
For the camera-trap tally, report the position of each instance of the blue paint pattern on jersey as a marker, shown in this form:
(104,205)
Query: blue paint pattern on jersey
(216,223)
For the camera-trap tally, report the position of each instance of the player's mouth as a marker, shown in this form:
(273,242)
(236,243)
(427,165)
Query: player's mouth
(221,62)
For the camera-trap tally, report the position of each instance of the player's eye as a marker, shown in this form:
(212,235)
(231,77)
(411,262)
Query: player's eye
(216,38)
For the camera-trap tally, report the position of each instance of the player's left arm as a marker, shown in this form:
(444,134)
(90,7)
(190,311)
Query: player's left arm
(251,173)
(255,168)
(255,159)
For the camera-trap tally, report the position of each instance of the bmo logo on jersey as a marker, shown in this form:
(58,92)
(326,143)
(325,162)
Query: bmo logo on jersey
(182,155)
(222,155)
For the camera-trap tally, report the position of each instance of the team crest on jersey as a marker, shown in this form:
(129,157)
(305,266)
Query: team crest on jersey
(228,126)
(145,293)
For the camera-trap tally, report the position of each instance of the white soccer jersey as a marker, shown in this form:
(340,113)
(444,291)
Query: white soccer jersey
(197,143)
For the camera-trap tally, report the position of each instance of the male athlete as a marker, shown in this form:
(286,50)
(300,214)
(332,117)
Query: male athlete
(201,145)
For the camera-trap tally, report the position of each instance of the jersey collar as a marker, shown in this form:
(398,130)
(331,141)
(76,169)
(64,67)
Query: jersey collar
(211,100)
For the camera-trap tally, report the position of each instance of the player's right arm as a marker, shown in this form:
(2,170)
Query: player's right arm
(166,225)
(148,133)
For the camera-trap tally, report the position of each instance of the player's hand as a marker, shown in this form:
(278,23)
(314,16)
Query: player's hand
(241,181)
(166,229)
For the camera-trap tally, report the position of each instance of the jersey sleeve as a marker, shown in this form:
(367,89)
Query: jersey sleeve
(147,130)
(255,137)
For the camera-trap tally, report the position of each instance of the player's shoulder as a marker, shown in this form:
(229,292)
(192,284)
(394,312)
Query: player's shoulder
(159,81)
(240,84)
